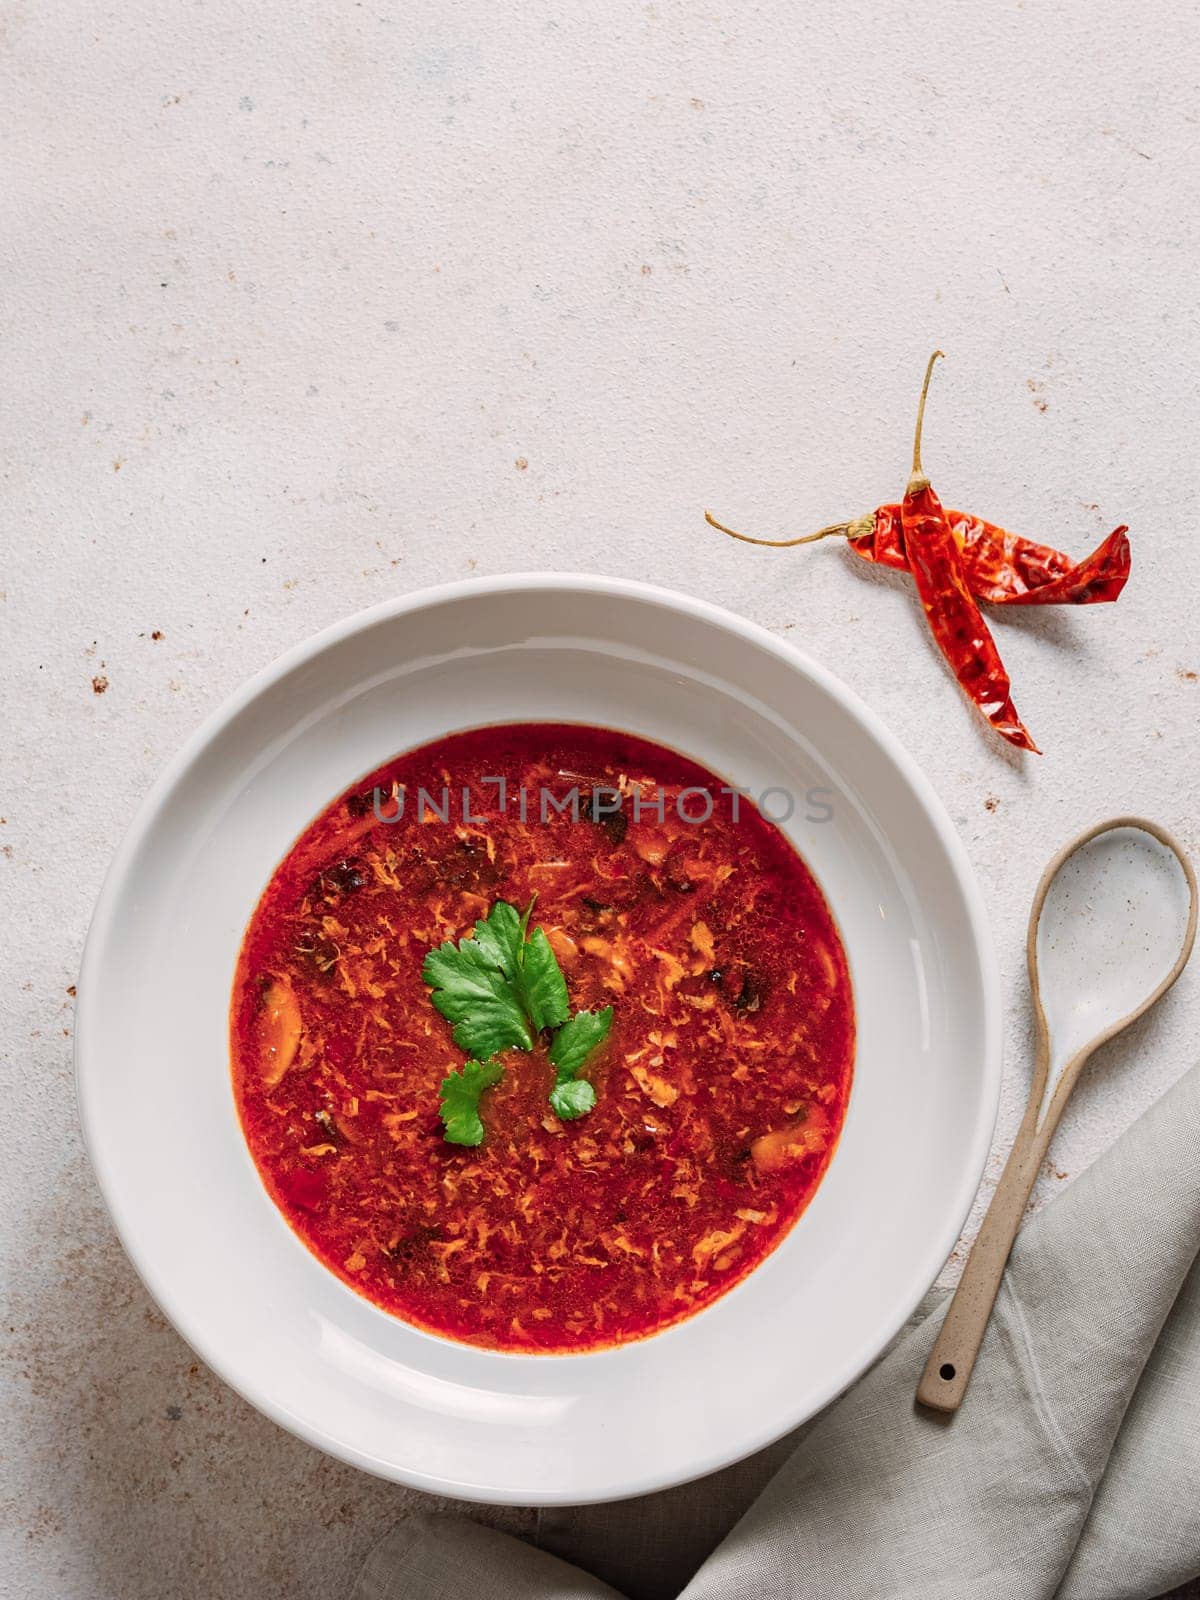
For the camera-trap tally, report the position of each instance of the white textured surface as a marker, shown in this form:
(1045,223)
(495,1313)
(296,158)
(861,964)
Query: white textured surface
(307,304)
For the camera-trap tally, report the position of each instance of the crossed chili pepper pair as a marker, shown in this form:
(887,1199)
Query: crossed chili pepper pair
(956,560)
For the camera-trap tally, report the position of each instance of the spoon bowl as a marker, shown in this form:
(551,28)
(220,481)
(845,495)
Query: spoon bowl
(1112,926)
(1116,923)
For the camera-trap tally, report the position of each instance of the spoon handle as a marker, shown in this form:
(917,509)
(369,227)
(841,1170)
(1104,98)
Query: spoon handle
(952,1359)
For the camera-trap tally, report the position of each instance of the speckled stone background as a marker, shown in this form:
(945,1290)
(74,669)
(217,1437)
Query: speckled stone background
(305,305)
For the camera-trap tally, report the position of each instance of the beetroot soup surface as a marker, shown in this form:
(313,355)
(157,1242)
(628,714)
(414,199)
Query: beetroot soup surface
(721,1087)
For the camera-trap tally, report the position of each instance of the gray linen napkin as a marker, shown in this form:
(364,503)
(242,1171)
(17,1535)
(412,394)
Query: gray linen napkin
(1071,1471)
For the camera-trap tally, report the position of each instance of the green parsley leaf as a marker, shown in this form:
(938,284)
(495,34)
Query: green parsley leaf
(501,987)
(572,1099)
(576,1039)
(502,937)
(498,988)
(460,1100)
(471,990)
(527,961)
(574,1042)
(543,987)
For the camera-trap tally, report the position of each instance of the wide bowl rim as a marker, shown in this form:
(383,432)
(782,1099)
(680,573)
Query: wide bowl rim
(88,1080)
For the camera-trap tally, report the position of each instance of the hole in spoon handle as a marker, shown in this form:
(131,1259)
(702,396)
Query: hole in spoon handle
(943,1384)
(952,1359)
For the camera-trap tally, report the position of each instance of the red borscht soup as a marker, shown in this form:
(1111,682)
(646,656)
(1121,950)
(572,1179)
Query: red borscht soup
(542,1037)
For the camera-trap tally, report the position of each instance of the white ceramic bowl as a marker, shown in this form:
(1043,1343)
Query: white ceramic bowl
(152,1046)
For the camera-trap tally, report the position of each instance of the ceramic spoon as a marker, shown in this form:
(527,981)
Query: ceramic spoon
(1112,926)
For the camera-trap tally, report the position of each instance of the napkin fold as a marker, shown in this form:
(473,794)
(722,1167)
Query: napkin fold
(1071,1470)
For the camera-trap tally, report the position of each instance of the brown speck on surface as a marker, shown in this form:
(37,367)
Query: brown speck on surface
(71,990)
(99,684)
(1186,674)
(521,463)
(43,1523)
(646,270)
(157,634)
(991,803)
(117,465)
(1035,389)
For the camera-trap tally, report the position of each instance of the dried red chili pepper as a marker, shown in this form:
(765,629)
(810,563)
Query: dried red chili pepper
(958,559)
(1002,568)
(955,620)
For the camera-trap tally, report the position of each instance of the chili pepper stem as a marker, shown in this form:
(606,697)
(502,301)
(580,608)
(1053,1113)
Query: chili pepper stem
(918,480)
(780,544)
